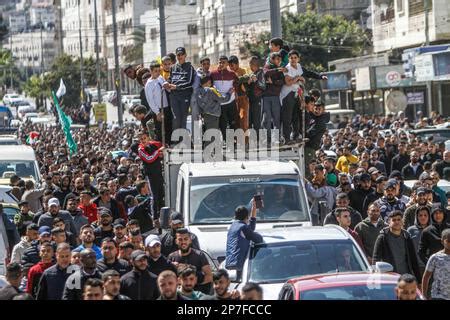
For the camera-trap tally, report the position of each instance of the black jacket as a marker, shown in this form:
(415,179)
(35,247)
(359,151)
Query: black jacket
(11,231)
(183,76)
(354,215)
(61,195)
(383,252)
(143,213)
(120,265)
(357,197)
(399,162)
(73,289)
(115,212)
(158,266)
(139,285)
(52,282)
(315,128)
(440,166)
(408,172)
(430,242)
(168,244)
(31,255)
(371,197)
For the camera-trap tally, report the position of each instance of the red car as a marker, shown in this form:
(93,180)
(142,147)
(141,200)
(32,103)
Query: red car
(343,286)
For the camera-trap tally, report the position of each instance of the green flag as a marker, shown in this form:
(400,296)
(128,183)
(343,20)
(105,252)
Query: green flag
(65,124)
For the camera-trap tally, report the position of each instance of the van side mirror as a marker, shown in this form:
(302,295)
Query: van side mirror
(383,267)
(232,274)
(164,217)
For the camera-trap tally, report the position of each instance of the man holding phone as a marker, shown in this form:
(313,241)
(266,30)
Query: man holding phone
(241,232)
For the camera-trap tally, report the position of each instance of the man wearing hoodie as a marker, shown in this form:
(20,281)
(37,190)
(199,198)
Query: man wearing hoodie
(389,202)
(180,83)
(361,191)
(369,229)
(342,201)
(395,246)
(430,242)
(421,221)
(76,213)
(421,200)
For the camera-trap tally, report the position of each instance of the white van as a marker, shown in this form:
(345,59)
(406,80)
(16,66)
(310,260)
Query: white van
(3,256)
(19,160)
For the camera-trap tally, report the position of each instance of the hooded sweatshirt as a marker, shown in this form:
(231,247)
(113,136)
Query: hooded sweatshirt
(430,241)
(415,231)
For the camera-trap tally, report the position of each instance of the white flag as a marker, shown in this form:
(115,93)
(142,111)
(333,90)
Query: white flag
(62,89)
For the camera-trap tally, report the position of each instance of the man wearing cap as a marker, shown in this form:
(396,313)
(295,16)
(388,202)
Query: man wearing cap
(139,283)
(380,182)
(187,255)
(168,244)
(157,263)
(31,235)
(316,127)
(389,202)
(142,212)
(110,260)
(89,208)
(25,215)
(404,189)
(412,170)
(104,228)
(53,212)
(120,231)
(374,174)
(345,160)
(420,199)
(361,191)
(180,85)
(31,255)
(430,242)
(331,174)
(73,289)
(395,246)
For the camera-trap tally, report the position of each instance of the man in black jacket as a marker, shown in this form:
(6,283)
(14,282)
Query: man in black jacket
(401,159)
(375,195)
(51,284)
(13,277)
(157,263)
(31,255)
(111,286)
(360,193)
(414,169)
(168,244)
(342,201)
(179,84)
(395,246)
(73,289)
(104,200)
(139,284)
(142,212)
(315,129)
(430,241)
(110,260)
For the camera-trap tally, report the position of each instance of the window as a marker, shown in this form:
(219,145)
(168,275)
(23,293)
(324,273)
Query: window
(153,33)
(192,29)
(417,7)
(400,8)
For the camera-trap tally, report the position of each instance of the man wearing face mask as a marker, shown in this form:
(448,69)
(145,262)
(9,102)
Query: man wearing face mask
(389,202)
(73,289)
(414,169)
(358,195)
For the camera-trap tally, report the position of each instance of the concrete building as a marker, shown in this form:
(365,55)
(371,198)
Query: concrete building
(42,14)
(33,51)
(17,21)
(181,31)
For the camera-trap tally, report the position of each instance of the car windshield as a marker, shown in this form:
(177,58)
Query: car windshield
(24,169)
(10,212)
(273,263)
(4,142)
(214,199)
(370,291)
(438,135)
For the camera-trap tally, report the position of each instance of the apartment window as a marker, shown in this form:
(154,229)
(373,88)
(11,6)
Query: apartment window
(417,7)
(153,33)
(442,64)
(192,29)
(400,7)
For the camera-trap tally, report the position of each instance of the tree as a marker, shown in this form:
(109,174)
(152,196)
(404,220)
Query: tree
(319,38)
(37,88)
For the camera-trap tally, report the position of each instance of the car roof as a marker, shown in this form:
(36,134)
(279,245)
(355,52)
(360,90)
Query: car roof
(317,233)
(16,152)
(233,168)
(311,282)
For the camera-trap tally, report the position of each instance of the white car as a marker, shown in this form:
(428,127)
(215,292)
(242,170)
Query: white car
(9,139)
(294,252)
(29,116)
(11,97)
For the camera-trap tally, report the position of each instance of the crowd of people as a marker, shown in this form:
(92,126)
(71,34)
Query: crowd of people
(91,230)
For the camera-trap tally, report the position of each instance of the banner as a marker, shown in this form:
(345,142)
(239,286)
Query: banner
(65,125)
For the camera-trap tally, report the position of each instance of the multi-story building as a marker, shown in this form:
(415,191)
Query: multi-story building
(33,51)
(44,15)
(181,30)
(17,21)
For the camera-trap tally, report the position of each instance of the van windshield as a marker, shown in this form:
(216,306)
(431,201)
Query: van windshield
(24,169)
(214,199)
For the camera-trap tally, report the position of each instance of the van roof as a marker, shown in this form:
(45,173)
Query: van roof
(279,235)
(15,152)
(233,168)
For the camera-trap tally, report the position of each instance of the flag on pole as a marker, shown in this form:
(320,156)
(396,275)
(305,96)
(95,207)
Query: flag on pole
(65,124)
(32,137)
(62,89)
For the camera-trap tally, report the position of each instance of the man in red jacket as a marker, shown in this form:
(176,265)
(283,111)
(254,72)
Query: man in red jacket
(151,153)
(89,209)
(34,274)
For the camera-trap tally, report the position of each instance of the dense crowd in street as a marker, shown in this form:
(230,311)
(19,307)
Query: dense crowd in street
(91,230)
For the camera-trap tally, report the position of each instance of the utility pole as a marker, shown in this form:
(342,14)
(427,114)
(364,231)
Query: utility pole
(162,28)
(97,54)
(12,61)
(81,52)
(275,19)
(116,69)
(60,29)
(42,45)
(240,12)
(427,43)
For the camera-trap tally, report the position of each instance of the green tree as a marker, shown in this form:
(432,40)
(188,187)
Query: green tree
(37,88)
(319,38)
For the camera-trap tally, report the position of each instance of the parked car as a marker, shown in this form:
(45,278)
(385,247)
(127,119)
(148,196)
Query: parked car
(9,139)
(301,251)
(29,116)
(11,97)
(343,286)
(438,134)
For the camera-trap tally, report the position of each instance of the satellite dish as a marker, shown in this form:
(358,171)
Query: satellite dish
(396,101)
